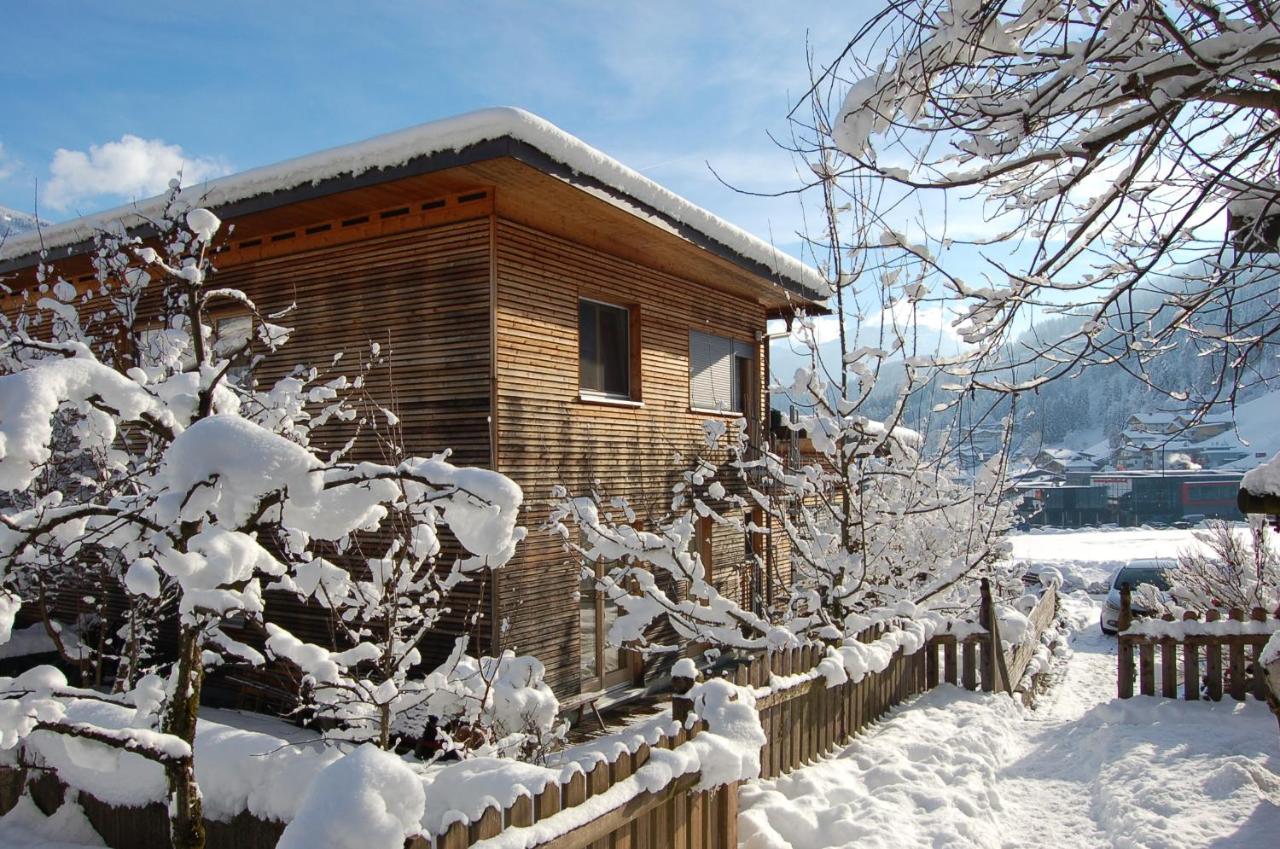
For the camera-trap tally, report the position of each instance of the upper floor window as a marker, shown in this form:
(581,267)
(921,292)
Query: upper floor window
(604,350)
(720,374)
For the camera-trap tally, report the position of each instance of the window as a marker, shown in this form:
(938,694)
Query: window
(604,350)
(165,348)
(231,337)
(162,348)
(720,374)
(601,665)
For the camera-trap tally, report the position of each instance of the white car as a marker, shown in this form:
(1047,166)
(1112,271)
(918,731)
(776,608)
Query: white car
(1152,571)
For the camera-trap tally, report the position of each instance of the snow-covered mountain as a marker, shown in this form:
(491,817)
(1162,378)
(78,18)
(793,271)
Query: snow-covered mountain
(13,222)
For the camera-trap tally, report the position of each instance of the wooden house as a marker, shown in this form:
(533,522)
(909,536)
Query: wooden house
(550,314)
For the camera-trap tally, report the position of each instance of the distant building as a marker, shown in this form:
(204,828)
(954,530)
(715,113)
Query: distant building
(1152,423)
(980,444)
(1076,466)
(1156,441)
(1127,498)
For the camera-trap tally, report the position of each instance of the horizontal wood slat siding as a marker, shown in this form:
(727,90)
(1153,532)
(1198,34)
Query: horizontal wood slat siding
(424,297)
(548,436)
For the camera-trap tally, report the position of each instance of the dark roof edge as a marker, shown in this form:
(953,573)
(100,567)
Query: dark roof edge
(488,149)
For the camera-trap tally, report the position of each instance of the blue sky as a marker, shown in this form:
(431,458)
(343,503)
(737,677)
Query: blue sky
(665,87)
(104,102)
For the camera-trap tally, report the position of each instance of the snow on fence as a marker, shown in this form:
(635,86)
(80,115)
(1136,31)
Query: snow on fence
(609,806)
(664,794)
(1212,656)
(126,827)
(807,719)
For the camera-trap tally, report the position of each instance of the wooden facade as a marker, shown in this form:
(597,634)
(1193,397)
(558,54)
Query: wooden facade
(469,273)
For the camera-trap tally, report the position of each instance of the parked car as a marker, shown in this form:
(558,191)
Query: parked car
(1152,571)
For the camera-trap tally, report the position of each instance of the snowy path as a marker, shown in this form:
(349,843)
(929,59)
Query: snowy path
(1083,771)
(1056,778)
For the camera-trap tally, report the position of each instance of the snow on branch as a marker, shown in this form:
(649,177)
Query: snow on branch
(141,459)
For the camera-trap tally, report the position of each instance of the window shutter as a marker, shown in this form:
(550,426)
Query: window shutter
(710,371)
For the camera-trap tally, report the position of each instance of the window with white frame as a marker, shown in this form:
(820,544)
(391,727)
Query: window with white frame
(720,373)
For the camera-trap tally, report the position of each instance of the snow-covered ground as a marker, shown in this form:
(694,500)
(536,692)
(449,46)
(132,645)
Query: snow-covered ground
(1083,770)
(1089,558)
(25,827)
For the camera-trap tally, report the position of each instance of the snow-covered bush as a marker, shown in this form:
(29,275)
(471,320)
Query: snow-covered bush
(132,431)
(369,799)
(374,687)
(489,706)
(1232,567)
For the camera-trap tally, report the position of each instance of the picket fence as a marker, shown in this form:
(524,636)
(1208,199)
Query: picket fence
(803,721)
(1209,657)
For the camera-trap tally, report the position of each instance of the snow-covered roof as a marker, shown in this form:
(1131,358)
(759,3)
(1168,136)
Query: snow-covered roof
(450,134)
(1263,480)
(1212,417)
(1250,201)
(1154,418)
(13,222)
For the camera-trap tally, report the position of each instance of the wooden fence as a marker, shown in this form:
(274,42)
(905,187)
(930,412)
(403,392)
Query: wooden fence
(809,720)
(1215,655)
(803,719)
(674,817)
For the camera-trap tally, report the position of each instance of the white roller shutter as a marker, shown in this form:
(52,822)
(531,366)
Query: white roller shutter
(711,372)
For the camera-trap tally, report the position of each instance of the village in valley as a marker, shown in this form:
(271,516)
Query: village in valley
(775,428)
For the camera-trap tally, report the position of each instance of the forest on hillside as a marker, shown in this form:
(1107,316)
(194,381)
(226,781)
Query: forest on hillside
(1093,403)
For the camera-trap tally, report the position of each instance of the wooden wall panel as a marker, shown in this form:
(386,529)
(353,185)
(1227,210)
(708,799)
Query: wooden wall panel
(423,296)
(546,435)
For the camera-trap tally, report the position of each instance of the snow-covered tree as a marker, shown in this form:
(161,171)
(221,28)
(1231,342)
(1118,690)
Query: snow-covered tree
(132,434)
(869,522)
(1108,148)
(1231,567)
(373,686)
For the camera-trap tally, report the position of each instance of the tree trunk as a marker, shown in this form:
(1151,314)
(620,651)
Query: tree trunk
(186,814)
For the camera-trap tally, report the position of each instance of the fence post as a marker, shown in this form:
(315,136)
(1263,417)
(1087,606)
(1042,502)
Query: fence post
(1190,663)
(930,664)
(995,675)
(1235,660)
(1213,660)
(1258,683)
(968,654)
(1126,608)
(1124,666)
(683,677)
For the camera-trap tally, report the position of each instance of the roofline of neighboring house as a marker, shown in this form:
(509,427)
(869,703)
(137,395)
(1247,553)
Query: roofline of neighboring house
(436,146)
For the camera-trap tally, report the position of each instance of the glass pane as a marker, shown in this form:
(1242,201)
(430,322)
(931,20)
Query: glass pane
(612,654)
(1134,575)
(160,347)
(711,376)
(615,349)
(231,333)
(741,385)
(587,627)
(589,346)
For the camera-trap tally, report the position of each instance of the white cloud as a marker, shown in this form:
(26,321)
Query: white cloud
(130,168)
(7,164)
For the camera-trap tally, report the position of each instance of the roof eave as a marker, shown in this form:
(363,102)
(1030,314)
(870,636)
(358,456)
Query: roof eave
(805,294)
